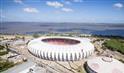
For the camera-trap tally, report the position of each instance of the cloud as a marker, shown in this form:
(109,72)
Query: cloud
(118,5)
(31,10)
(18,1)
(57,4)
(54,4)
(67,9)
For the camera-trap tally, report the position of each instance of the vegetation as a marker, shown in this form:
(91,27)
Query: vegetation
(121,60)
(4,65)
(3,53)
(3,50)
(108,36)
(115,45)
(1,47)
(36,35)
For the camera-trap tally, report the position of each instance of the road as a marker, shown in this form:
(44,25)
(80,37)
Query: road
(20,67)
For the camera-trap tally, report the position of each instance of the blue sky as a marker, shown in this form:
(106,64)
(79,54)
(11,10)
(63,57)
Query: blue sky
(91,11)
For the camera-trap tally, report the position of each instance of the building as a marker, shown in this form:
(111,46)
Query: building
(57,48)
(104,65)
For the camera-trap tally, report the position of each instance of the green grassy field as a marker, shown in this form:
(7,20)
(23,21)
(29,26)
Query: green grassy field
(115,45)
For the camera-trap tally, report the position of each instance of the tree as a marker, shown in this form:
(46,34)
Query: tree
(36,35)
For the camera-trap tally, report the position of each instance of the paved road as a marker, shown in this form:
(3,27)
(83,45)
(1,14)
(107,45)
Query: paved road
(19,68)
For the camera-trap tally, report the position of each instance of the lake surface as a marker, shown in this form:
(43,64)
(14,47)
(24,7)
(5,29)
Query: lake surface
(86,28)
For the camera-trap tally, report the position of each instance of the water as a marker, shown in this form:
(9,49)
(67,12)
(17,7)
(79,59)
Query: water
(86,28)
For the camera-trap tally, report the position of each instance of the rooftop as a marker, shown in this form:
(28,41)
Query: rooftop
(105,65)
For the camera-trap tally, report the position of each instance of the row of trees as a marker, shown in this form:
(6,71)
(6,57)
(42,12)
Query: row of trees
(109,36)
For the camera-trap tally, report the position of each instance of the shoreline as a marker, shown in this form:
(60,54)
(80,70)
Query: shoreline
(64,34)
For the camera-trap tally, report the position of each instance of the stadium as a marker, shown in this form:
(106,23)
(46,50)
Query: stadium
(57,48)
(104,65)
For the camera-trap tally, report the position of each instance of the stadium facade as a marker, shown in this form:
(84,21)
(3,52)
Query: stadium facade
(57,48)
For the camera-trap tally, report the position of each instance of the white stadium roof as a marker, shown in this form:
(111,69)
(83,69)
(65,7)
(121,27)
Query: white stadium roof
(49,51)
(105,65)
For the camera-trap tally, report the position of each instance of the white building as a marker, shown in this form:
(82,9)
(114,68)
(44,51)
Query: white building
(104,65)
(61,48)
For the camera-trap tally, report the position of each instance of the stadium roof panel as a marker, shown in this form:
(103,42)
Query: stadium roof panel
(70,48)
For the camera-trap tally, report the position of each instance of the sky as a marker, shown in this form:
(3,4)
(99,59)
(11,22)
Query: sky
(89,11)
